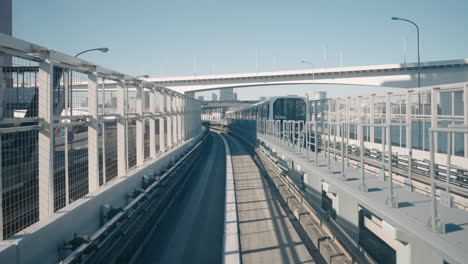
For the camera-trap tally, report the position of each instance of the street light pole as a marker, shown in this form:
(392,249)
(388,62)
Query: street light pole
(70,99)
(313,73)
(103,50)
(417,31)
(419,79)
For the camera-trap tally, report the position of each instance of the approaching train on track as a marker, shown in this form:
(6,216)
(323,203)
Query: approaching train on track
(275,108)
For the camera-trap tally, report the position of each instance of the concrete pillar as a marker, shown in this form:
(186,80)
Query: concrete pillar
(93,134)
(152,123)
(46,140)
(140,127)
(162,110)
(121,131)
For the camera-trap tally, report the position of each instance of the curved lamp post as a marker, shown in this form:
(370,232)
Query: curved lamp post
(103,50)
(417,31)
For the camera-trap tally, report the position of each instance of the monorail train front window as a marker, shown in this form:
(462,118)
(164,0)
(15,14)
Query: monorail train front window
(289,109)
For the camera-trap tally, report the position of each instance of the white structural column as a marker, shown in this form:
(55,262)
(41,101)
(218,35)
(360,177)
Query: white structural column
(140,126)
(179,118)
(409,122)
(174,118)
(121,131)
(434,97)
(46,140)
(93,134)
(152,122)
(182,121)
(162,110)
(372,118)
(168,103)
(465,116)
(360,129)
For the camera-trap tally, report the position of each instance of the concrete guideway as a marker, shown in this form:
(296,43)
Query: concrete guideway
(266,233)
(192,230)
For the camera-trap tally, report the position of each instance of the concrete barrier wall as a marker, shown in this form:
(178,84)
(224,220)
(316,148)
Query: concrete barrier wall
(416,248)
(40,243)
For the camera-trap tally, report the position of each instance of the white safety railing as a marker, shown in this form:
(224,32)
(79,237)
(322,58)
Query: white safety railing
(68,126)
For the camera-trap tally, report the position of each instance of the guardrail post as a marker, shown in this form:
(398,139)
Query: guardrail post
(343,175)
(140,126)
(391,200)
(93,134)
(409,140)
(363,185)
(382,171)
(121,130)
(372,118)
(434,216)
(46,139)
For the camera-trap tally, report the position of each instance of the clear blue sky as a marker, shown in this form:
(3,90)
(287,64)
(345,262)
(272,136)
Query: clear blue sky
(163,37)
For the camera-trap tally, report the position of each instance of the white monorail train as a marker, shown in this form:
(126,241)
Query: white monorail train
(275,108)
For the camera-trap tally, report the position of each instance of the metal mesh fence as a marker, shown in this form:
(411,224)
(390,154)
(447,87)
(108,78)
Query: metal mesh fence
(19,168)
(147,138)
(19,95)
(78,162)
(59,169)
(110,152)
(131,138)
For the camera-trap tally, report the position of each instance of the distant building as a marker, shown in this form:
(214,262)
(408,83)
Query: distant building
(214,97)
(226,94)
(262,98)
(235,96)
(201,98)
(317,95)
(6,17)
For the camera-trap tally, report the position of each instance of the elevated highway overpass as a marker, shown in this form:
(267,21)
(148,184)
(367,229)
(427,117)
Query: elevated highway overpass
(387,75)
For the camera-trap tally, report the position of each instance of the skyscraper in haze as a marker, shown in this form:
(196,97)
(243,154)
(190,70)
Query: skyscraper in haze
(226,94)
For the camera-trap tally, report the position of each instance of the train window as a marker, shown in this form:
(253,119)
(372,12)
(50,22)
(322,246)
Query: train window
(289,109)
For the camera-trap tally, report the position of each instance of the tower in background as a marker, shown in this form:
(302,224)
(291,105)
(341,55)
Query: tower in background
(226,94)
(6,17)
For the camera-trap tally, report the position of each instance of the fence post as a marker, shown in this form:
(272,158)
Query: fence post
(391,200)
(152,122)
(140,126)
(121,130)
(46,139)
(363,185)
(162,122)
(93,134)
